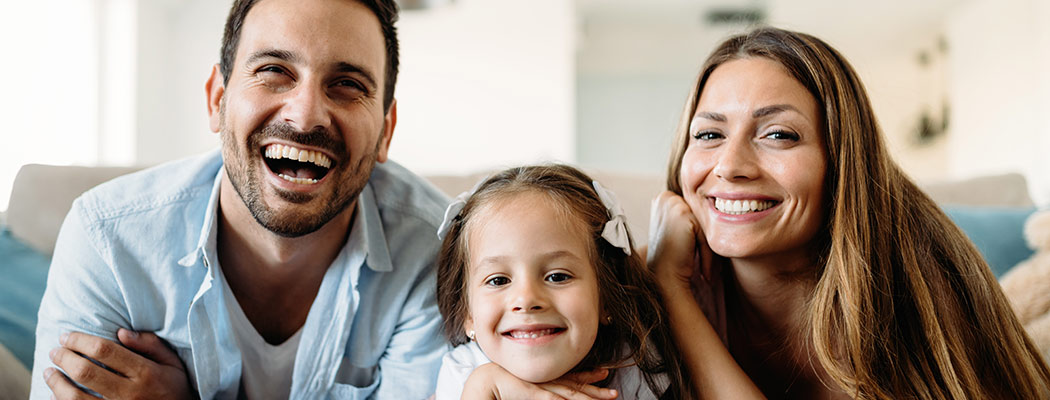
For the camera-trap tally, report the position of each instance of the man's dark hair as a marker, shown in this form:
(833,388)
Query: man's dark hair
(385,10)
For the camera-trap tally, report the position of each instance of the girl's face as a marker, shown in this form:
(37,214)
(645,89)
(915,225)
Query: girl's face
(531,287)
(753,172)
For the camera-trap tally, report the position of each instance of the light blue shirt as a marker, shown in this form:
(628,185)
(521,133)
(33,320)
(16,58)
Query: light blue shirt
(139,252)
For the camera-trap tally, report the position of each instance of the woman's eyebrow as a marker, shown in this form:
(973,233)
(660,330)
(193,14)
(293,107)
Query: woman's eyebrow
(711,115)
(773,109)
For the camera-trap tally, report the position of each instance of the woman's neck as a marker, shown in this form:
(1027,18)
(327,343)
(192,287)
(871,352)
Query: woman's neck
(769,299)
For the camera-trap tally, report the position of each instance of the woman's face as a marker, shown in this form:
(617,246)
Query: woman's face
(753,172)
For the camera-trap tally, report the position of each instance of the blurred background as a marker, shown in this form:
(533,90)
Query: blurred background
(961,87)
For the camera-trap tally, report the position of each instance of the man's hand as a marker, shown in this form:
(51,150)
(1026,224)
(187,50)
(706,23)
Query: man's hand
(490,381)
(141,366)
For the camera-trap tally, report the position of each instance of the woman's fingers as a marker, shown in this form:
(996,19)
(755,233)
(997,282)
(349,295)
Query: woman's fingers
(673,234)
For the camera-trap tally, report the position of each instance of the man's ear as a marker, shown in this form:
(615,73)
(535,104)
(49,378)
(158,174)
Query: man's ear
(214,89)
(388,132)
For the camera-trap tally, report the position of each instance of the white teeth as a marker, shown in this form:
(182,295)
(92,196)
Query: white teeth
(739,207)
(531,334)
(278,151)
(301,181)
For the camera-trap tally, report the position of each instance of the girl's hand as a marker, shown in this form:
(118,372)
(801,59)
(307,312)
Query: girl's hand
(674,238)
(490,381)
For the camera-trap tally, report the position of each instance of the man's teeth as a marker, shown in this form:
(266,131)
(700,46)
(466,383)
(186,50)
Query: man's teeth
(738,207)
(278,151)
(301,181)
(531,334)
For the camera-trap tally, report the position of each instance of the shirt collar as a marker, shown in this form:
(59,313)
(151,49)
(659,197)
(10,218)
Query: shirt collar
(206,241)
(366,234)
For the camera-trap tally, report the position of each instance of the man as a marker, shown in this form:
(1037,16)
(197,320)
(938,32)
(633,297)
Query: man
(290,265)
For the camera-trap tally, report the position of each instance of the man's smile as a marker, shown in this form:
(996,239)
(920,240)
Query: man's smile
(304,167)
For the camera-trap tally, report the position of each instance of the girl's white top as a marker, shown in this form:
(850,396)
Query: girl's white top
(457,365)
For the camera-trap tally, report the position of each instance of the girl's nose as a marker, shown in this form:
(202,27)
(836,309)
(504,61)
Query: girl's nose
(528,298)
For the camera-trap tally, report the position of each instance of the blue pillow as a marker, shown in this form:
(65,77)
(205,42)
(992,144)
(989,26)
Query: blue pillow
(998,233)
(24,273)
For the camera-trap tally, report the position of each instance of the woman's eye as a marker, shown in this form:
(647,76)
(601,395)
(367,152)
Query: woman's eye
(707,135)
(783,135)
(558,277)
(497,281)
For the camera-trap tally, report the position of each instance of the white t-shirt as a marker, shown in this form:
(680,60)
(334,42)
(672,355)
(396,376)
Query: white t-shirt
(266,369)
(457,365)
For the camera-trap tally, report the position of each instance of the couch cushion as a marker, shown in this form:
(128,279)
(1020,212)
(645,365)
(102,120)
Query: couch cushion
(998,232)
(24,273)
(42,195)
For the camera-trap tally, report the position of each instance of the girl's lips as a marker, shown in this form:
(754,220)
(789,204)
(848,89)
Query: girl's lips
(533,336)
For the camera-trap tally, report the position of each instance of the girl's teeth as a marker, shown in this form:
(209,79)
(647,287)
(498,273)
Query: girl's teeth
(531,334)
(738,207)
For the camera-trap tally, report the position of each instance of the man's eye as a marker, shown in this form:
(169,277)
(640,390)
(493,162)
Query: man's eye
(558,277)
(349,83)
(497,281)
(272,68)
(707,135)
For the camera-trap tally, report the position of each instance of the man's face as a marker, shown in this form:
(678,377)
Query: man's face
(301,118)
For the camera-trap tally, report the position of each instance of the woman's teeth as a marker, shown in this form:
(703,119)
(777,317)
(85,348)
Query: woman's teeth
(279,151)
(739,207)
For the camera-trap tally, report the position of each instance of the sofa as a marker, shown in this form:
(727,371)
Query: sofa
(991,210)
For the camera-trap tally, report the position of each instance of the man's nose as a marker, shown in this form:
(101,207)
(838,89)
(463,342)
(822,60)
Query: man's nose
(737,159)
(307,108)
(528,297)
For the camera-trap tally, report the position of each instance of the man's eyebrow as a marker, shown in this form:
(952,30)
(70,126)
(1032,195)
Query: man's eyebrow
(711,115)
(346,67)
(773,109)
(274,53)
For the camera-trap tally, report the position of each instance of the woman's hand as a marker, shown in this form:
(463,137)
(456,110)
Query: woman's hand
(674,235)
(490,381)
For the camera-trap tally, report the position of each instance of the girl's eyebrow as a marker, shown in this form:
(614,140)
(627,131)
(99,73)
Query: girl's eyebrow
(503,259)
(773,109)
(711,116)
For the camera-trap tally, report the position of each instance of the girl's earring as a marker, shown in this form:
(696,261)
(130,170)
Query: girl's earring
(470,334)
(608,319)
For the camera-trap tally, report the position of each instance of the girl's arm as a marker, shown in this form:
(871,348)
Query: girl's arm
(674,235)
(490,382)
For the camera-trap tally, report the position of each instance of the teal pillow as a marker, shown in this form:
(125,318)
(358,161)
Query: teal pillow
(998,233)
(24,273)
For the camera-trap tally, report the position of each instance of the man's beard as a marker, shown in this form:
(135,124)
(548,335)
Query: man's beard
(242,168)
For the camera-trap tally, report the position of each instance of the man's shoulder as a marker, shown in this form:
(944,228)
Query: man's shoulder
(175,182)
(398,190)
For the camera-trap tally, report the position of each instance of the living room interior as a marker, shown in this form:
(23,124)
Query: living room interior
(106,87)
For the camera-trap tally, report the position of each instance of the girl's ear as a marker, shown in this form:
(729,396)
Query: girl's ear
(468,325)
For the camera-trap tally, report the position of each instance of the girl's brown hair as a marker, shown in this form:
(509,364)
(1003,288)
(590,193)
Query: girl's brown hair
(905,306)
(638,332)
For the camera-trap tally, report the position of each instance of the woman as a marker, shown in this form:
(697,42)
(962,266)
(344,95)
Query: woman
(826,272)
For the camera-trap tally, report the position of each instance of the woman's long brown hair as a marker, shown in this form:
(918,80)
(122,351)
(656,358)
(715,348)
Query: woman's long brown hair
(905,306)
(638,332)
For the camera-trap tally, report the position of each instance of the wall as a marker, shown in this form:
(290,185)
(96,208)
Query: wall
(485,84)
(1000,92)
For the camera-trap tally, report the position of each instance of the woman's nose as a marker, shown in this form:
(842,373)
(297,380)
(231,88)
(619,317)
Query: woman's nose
(736,160)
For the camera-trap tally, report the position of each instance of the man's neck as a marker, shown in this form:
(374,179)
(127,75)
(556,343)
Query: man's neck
(274,278)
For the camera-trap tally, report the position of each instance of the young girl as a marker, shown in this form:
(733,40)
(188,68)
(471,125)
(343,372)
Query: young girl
(536,275)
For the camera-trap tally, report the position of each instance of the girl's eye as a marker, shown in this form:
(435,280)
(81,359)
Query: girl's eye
(497,281)
(558,277)
(707,135)
(783,135)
